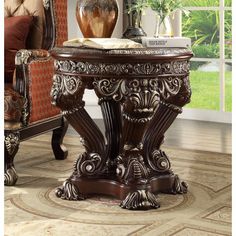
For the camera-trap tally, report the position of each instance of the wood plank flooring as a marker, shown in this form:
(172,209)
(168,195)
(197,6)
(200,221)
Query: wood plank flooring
(191,134)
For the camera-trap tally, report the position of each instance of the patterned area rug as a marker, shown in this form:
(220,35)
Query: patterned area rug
(31,207)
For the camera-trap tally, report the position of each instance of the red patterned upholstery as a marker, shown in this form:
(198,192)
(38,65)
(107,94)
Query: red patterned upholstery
(37,73)
(60,8)
(40,74)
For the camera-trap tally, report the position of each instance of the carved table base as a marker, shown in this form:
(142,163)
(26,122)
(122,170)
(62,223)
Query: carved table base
(133,197)
(139,101)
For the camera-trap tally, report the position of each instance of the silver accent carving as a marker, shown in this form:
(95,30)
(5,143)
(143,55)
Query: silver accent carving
(138,51)
(88,164)
(140,200)
(65,85)
(10,176)
(159,161)
(69,66)
(12,141)
(69,192)
(147,68)
(143,94)
(159,51)
(136,120)
(132,170)
(114,88)
(169,86)
(25,112)
(46,4)
(22,56)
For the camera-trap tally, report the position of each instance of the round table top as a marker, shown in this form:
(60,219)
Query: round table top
(90,54)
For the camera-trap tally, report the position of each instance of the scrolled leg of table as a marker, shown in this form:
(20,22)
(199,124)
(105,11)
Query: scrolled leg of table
(67,92)
(166,113)
(138,108)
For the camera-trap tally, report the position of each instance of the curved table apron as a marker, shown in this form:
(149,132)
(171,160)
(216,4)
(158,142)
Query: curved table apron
(140,92)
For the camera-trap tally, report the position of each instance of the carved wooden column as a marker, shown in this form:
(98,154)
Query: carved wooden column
(141,92)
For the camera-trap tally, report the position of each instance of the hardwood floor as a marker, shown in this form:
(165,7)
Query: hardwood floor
(191,134)
(200,135)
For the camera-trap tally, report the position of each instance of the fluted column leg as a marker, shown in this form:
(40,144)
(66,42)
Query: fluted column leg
(113,124)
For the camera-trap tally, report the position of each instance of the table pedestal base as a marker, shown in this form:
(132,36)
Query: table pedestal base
(140,94)
(133,197)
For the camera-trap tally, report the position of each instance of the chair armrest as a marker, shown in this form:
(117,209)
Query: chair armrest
(33,80)
(22,59)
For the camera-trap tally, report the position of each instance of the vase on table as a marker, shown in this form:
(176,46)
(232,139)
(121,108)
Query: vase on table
(134,29)
(163,27)
(96,18)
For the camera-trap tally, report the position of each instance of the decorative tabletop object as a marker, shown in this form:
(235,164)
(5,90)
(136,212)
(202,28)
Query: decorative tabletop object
(163,10)
(134,9)
(97,18)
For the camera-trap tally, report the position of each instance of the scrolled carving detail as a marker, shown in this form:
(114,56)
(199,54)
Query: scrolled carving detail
(46,4)
(69,66)
(159,161)
(66,91)
(69,192)
(10,176)
(12,141)
(142,98)
(139,200)
(180,67)
(110,88)
(23,56)
(169,87)
(133,170)
(88,164)
(147,68)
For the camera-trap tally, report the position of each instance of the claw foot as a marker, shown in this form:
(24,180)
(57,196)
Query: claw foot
(179,186)
(69,192)
(140,200)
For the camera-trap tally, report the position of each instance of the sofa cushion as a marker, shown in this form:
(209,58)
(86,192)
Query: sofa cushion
(16,30)
(33,8)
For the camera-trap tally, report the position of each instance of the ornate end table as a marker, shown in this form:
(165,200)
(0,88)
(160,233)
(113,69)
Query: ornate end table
(141,92)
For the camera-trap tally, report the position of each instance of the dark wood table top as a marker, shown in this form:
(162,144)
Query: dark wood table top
(121,54)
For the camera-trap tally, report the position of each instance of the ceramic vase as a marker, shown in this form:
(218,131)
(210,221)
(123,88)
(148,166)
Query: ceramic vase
(96,18)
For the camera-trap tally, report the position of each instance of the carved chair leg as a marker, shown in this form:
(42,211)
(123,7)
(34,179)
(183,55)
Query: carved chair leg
(59,150)
(12,140)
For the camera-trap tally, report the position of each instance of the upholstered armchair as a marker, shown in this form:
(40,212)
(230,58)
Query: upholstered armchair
(32,27)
